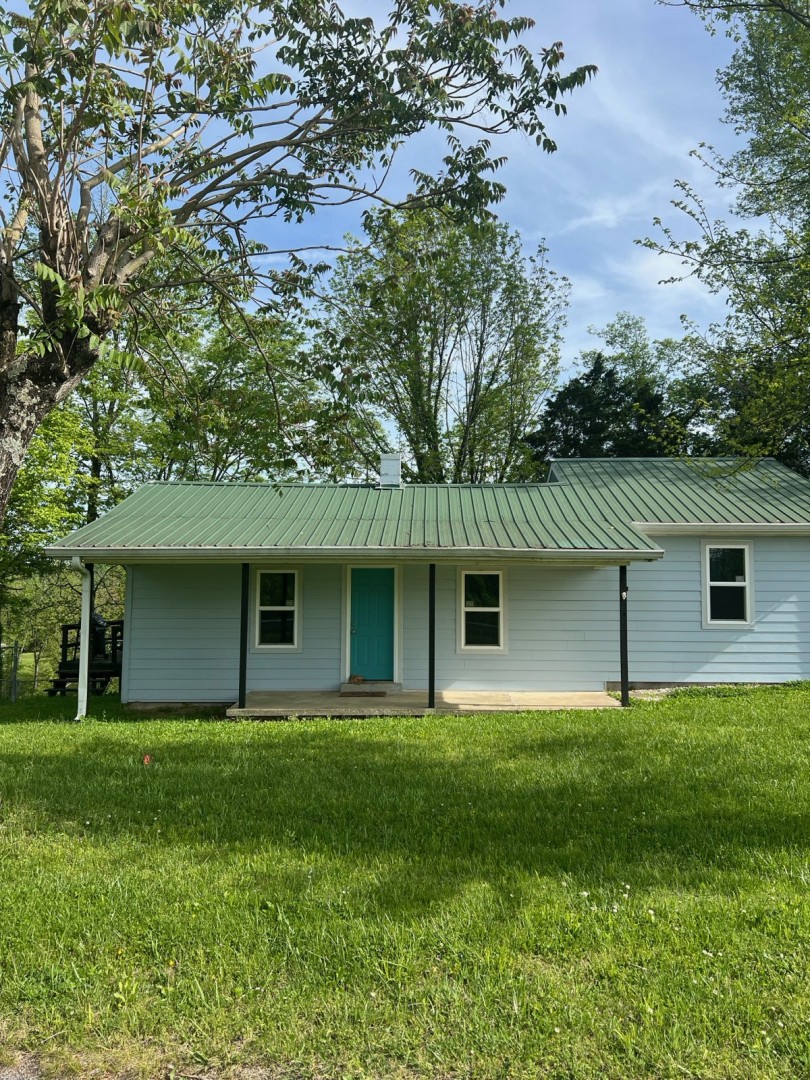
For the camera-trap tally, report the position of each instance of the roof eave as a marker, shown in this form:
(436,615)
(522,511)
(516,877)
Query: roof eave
(607,556)
(716,528)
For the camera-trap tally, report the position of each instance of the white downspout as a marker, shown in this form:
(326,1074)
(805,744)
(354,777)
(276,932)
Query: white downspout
(84,636)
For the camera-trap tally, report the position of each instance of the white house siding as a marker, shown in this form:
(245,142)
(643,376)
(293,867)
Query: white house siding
(182,633)
(562,630)
(667,639)
(562,633)
(315,665)
(562,624)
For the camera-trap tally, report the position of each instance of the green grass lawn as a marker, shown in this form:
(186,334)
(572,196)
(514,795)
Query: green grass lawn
(608,894)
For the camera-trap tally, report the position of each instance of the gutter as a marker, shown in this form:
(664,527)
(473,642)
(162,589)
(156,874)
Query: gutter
(84,637)
(719,528)
(610,556)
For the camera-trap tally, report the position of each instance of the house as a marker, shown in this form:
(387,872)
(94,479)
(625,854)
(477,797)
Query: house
(614,572)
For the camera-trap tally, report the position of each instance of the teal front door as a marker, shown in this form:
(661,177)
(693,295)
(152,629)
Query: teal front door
(372,623)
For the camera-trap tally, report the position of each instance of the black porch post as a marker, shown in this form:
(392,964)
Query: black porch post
(432,636)
(243,634)
(623,660)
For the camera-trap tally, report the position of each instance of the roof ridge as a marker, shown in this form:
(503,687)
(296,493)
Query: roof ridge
(298,485)
(604,460)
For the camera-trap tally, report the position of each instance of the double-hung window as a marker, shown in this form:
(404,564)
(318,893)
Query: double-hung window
(482,610)
(727,585)
(278,609)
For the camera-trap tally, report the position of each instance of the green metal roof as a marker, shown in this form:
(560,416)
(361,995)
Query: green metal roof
(590,509)
(185,520)
(714,491)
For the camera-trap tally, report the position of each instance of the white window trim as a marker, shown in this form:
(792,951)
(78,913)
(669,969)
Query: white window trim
(728,624)
(296,609)
(477,650)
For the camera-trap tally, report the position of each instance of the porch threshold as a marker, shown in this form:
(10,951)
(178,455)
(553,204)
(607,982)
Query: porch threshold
(283,704)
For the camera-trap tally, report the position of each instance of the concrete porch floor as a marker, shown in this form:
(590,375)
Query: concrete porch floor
(412,703)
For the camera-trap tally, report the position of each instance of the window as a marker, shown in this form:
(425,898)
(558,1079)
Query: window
(277,614)
(481,610)
(727,585)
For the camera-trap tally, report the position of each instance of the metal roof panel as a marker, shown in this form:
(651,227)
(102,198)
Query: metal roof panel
(412,519)
(711,491)
(588,505)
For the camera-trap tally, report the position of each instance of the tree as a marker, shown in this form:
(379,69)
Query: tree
(46,503)
(602,413)
(223,409)
(635,400)
(758,359)
(755,403)
(49,495)
(645,361)
(115,456)
(199,401)
(729,11)
(143,131)
(766,86)
(455,335)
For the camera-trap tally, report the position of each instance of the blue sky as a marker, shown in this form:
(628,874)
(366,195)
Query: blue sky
(627,137)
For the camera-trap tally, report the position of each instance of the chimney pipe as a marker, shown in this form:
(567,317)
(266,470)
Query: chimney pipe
(390,470)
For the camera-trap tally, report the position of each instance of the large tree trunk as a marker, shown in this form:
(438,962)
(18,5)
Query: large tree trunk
(29,389)
(23,407)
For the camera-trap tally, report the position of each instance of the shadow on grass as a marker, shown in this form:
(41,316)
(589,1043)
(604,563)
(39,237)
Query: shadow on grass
(104,708)
(483,799)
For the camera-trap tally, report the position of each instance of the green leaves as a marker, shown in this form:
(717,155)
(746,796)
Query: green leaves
(452,337)
(757,361)
(162,136)
(168,115)
(48,498)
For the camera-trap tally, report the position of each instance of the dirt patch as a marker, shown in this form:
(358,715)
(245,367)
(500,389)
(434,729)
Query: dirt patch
(25,1068)
(653,695)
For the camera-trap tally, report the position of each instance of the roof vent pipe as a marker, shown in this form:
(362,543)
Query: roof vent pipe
(390,470)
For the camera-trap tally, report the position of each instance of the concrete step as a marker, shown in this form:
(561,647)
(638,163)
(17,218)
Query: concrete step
(370,688)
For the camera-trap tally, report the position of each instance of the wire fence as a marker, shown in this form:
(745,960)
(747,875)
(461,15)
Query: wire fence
(10,680)
(19,675)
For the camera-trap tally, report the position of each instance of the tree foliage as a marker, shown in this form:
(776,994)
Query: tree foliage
(49,496)
(455,335)
(756,364)
(162,132)
(633,398)
(223,409)
(637,357)
(601,413)
(730,11)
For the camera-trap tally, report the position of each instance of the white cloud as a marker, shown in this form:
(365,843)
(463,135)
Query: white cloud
(612,211)
(625,140)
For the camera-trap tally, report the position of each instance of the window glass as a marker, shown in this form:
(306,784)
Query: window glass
(482,615)
(727,605)
(277,608)
(277,590)
(482,628)
(727,585)
(727,564)
(482,591)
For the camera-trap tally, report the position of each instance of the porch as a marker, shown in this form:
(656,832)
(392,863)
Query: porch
(282,704)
